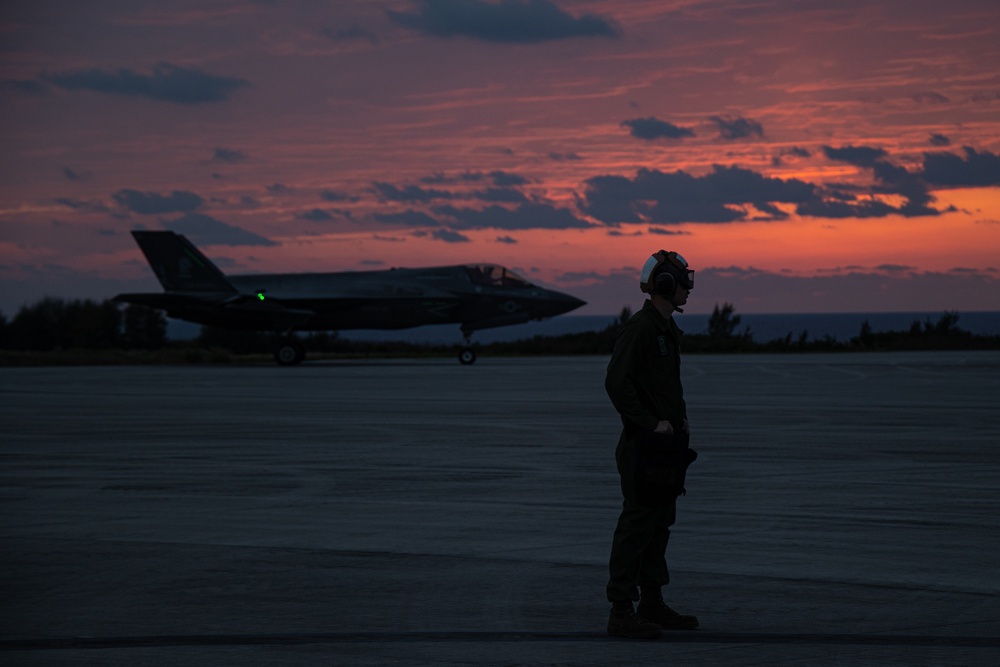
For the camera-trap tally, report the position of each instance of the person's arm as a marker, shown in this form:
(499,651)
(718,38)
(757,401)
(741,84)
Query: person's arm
(621,385)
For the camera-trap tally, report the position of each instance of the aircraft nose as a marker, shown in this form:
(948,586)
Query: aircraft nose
(563,303)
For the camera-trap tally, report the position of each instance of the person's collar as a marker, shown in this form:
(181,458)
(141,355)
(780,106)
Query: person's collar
(662,320)
(662,306)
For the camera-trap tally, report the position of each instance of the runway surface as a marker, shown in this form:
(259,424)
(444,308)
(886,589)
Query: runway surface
(843,510)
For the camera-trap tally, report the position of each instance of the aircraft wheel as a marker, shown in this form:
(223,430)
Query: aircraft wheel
(467,356)
(289,353)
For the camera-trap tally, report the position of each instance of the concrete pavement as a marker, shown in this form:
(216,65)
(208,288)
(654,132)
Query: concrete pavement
(842,511)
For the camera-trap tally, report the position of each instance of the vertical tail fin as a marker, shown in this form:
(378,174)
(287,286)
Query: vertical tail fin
(179,266)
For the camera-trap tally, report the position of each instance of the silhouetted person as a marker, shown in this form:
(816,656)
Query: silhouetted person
(644,384)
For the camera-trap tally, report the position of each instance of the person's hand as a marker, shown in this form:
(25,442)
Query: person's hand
(664,427)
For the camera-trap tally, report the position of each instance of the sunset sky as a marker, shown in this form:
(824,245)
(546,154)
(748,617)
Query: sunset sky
(805,156)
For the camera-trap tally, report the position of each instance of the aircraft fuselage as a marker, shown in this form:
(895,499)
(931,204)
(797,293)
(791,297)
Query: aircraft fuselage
(475,296)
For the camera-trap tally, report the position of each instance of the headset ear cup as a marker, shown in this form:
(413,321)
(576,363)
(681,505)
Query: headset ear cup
(665,284)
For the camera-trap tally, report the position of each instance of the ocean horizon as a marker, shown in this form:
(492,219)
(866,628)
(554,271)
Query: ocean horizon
(762,327)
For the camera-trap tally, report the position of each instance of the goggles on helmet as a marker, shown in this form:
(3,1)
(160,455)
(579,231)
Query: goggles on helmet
(678,268)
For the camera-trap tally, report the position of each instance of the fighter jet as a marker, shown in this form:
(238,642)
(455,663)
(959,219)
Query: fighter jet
(475,296)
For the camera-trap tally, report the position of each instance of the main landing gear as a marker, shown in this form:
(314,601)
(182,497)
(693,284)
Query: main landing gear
(289,351)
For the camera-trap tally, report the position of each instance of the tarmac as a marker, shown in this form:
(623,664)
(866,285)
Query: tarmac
(843,511)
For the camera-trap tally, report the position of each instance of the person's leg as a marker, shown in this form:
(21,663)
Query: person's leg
(636,536)
(653,569)
(654,574)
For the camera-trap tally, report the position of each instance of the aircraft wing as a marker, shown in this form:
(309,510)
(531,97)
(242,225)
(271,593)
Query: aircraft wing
(231,312)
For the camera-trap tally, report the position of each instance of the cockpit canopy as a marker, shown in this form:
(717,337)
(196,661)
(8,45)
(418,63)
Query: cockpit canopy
(492,275)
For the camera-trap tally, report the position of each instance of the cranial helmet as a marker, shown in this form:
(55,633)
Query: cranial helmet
(663,272)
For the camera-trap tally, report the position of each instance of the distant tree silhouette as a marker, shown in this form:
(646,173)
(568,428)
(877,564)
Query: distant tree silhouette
(57,324)
(624,316)
(34,327)
(89,324)
(144,328)
(723,322)
(947,325)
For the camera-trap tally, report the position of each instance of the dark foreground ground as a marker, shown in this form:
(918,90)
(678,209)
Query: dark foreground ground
(843,511)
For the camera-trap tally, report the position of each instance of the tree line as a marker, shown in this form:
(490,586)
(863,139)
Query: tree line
(57,324)
(943,334)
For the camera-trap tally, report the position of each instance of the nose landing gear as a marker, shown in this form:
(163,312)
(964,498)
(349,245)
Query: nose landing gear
(467,355)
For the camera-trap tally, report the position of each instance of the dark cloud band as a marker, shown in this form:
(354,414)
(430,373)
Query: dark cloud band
(167,83)
(153,203)
(653,128)
(517,21)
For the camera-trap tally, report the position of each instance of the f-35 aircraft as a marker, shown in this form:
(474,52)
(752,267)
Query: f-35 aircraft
(476,296)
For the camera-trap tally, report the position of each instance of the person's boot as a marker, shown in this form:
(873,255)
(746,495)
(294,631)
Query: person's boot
(624,623)
(653,609)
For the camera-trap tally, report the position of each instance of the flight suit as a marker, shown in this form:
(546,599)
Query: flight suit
(644,383)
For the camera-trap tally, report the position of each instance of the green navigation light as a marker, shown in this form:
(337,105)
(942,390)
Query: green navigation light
(260,295)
